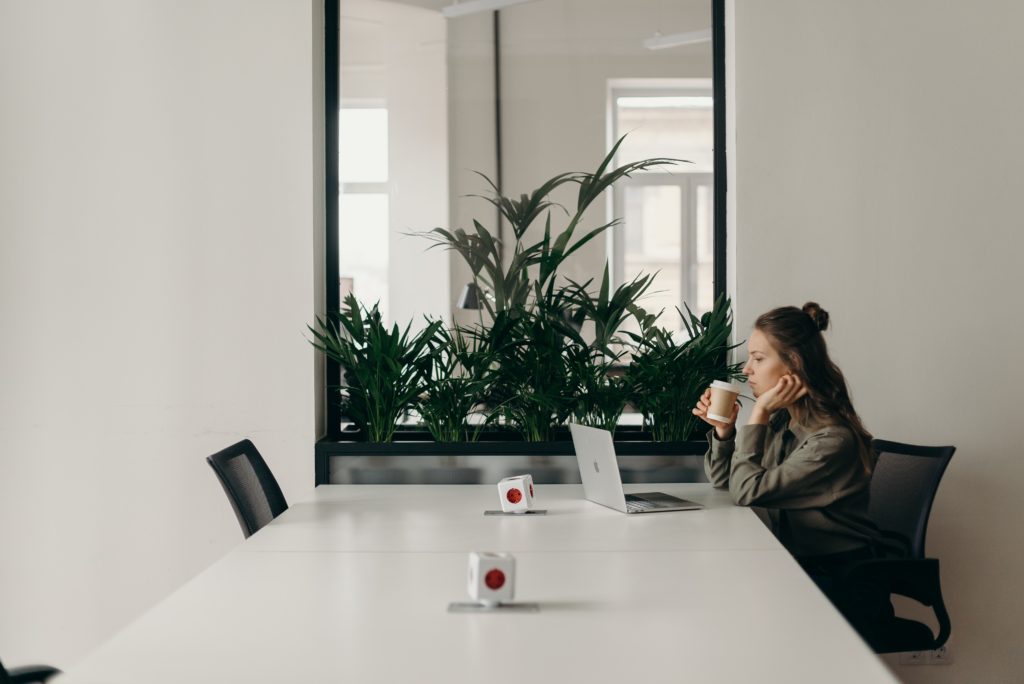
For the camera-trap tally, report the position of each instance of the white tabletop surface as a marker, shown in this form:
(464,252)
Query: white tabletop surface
(450,518)
(610,608)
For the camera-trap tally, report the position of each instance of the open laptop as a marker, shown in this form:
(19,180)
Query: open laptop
(602,484)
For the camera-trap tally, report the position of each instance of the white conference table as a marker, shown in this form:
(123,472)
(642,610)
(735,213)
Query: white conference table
(450,518)
(353,586)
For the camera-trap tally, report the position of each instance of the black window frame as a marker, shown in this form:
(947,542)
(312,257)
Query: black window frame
(332,103)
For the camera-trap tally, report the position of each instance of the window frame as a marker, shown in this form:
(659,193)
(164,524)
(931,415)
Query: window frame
(615,247)
(332,102)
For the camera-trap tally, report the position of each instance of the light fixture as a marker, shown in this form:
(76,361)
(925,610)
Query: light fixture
(659,42)
(472,6)
(472,297)
(665,102)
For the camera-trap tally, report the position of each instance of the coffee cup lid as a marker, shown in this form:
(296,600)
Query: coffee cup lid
(728,386)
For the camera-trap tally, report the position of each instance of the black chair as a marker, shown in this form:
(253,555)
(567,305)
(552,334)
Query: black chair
(251,488)
(29,674)
(903,488)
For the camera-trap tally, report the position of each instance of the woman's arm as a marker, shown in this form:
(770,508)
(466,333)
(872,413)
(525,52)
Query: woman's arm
(821,470)
(718,460)
(721,442)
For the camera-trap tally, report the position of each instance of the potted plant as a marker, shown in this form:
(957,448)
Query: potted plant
(455,385)
(601,395)
(383,369)
(549,349)
(534,333)
(666,376)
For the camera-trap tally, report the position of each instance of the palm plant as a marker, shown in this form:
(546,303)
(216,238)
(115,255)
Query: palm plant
(511,286)
(601,396)
(456,384)
(667,377)
(383,370)
(528,381)
(535,323)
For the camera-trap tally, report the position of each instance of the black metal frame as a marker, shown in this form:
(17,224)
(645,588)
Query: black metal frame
(332,184)
(325,449)
(332,102)
(718,98)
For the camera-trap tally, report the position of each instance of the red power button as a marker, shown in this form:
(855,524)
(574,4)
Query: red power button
(494,579)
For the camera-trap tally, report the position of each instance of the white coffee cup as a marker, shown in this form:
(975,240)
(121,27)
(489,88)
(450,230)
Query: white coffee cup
(723,398)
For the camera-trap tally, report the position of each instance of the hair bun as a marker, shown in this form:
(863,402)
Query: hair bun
(817,314)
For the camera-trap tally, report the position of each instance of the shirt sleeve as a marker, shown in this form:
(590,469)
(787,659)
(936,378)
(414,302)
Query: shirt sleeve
(814,475)
(718,458)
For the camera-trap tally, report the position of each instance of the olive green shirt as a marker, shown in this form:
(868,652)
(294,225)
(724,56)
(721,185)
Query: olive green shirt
(811,482)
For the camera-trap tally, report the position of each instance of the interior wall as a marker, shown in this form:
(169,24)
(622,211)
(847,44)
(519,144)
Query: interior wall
(418,106)
(156,277)
(556,59)
(395,55)
(875,170)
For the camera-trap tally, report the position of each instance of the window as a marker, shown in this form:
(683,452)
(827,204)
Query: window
(667,213)
(363,205)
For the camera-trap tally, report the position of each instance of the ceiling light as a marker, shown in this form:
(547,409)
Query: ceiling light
(666,102)
(472,6)
(659,42)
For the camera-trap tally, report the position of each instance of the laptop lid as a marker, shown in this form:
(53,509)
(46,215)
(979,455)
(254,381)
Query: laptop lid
(599,468)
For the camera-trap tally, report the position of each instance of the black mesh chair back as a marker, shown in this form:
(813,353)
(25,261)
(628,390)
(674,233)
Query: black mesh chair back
(903,488)
(251,488)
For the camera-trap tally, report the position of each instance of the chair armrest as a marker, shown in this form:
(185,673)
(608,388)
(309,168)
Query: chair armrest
(31,674)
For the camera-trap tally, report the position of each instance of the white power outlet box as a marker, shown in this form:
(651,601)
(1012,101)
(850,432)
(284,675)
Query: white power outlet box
(914,658)
(940,656)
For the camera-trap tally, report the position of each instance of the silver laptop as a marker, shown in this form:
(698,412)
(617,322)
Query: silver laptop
(602,484)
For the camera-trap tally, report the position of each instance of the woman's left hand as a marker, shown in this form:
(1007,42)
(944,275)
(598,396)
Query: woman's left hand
(787,390)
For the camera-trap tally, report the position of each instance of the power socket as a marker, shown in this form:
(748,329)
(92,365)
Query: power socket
(941,656)
(914,658)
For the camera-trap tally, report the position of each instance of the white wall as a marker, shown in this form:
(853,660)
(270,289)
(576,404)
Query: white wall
(394,55)
(877,168)
(156,276)
(418,122)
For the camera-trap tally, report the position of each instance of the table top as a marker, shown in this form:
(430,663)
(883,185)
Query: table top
(419,518)
(376,611)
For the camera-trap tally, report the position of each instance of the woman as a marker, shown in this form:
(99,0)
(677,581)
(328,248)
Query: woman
(804,454)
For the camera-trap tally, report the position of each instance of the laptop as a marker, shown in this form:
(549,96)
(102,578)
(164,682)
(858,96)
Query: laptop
(602,484)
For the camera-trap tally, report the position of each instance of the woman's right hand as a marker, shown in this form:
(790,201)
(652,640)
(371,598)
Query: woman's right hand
(722,430)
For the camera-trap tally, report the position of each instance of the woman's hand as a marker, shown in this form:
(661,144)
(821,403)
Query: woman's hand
(787,390)
(722,430)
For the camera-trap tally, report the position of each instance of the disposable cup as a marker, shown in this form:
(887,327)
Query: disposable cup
(723,397)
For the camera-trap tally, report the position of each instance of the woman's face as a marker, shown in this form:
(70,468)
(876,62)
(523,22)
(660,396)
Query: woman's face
(764,367)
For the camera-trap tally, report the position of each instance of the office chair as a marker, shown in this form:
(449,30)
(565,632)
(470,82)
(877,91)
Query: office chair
(30,674)
(251,488)
(903,488)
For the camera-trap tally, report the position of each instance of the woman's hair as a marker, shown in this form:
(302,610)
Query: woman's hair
(796,336)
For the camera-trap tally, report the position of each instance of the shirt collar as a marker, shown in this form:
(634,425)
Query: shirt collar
(780,421)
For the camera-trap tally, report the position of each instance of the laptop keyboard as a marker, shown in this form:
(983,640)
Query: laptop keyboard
(634,504)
